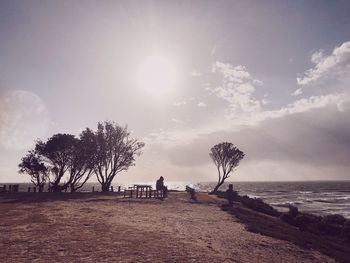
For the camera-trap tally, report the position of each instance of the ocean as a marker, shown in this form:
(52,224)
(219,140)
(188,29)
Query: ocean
(318,197)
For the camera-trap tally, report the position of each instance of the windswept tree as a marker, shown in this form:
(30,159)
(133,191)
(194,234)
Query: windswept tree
(57,154)
(226,158)
(33,165)
(115,152)
(81,165)
(70,160)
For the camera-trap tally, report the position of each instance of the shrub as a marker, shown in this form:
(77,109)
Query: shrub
(334,219)
(293,211)
(259,206)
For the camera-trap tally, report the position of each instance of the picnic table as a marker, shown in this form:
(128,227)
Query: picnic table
(143,191)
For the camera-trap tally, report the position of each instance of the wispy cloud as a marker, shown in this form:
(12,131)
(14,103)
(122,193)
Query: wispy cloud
(283,138)
(214,49)
(201,104)
(179,103)
(177,121)
(237,87)
(297,92)
(333,65)
(195,73)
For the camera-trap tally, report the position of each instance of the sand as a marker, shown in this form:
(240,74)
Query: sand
(108,228)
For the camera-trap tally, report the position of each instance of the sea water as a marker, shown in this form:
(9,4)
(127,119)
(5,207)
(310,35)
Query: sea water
(318,197)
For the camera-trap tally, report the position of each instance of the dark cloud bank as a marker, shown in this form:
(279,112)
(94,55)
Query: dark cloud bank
(318,138)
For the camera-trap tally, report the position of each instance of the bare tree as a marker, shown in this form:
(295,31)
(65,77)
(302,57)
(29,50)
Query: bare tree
(226,157)
(115,152)
(33,165)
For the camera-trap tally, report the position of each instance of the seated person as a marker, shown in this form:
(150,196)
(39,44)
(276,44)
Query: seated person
(160,186)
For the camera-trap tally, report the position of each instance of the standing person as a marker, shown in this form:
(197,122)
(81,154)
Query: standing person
(230,194)
(160,186)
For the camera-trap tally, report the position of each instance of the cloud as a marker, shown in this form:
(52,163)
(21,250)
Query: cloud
(297,92)
(307,138)
(195,74)
(311,131)
(174,120)
(327,67)
(237,88)
(179,103)
(201,104)
(214,49)
(317,56)
(305,105)
(23,119)
(265,100)
(318,138)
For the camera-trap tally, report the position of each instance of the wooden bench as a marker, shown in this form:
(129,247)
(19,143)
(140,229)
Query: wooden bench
(140,192)
(157,193)
(128,193)
(192,192)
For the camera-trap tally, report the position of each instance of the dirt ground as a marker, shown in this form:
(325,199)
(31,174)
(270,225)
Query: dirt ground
(109,228)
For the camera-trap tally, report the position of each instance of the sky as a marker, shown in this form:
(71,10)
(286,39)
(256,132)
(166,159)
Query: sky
(272,77)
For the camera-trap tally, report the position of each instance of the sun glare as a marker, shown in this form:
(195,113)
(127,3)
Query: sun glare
(157,75)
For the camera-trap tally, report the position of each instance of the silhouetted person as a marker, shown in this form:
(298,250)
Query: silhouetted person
(160,186)
(230,194)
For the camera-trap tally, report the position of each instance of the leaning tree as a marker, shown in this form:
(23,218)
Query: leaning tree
(81,165)
(34,165)
(226,157)
(70,160)
(115,152)
(58,153)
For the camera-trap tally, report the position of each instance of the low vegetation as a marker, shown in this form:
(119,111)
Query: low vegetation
(328,234)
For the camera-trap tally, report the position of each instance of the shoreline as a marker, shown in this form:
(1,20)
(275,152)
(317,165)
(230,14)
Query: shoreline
(90,227)
(311,197)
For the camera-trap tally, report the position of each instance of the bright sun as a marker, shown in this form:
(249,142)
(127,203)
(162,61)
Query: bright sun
(157,75)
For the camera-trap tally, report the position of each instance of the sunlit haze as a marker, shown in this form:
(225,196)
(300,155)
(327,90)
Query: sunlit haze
(157,75)
(272,77)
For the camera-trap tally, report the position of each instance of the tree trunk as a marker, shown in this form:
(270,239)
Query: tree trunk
(73,189)
(105,187)
(217,187)
(55,188)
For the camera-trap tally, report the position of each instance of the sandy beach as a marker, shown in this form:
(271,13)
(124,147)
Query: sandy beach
(108,228)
